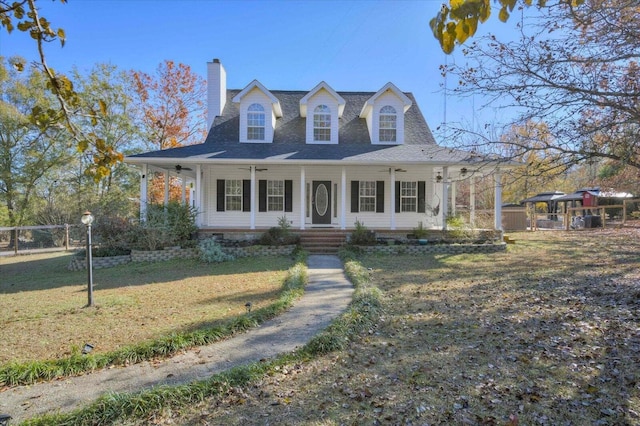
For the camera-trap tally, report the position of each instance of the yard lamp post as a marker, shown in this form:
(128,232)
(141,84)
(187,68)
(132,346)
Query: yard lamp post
(87,220)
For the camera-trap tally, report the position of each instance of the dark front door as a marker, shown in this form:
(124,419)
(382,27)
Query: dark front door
(321,202)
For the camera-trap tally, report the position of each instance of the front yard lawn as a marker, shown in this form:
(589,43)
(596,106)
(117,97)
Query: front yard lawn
(43,313)
(547,333)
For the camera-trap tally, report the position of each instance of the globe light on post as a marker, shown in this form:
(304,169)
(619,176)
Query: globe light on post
(87,220)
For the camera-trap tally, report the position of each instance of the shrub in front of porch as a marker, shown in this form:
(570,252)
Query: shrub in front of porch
(362,236)
(280,235)
(165,226)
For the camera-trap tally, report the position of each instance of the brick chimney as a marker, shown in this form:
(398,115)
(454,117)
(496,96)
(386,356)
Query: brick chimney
(216,90)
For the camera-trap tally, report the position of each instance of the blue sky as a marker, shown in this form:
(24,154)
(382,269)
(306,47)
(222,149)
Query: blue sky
(286,45)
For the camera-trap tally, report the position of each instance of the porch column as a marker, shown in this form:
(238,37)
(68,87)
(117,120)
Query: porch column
(497,208)
(343,199)
(143,192)
(453,198)
(197,199)
(166,187)
(445,197)
(303,198)
(392,201)
(472,201)
(183,195)
(252,214)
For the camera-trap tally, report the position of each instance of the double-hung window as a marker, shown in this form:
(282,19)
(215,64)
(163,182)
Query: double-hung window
(322,124)
(367,196)
(275,195)
(255,122)
(388,124)
(233,194)
(408,196)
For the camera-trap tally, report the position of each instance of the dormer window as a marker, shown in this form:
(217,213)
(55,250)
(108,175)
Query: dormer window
(259,109)
(322,107)
(388,124)
(322,124)
(255,122)
(385,113)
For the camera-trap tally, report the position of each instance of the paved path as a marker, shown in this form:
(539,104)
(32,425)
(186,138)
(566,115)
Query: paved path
(326,296)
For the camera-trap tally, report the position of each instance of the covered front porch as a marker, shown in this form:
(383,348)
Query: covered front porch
(380,196)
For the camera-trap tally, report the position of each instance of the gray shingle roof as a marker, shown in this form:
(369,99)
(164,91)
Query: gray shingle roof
(354,145)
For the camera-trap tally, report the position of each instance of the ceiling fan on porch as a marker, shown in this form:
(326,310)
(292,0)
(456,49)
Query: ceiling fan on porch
(258,169)
(397,170)
(179,168)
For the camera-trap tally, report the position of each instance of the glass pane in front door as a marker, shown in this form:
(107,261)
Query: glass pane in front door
(321,202)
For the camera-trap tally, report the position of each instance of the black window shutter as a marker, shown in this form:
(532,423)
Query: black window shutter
(380,196)
(262,196)
(397,196)
(246,195)
(355,196)
(421,196)
(220,195)
(288,195)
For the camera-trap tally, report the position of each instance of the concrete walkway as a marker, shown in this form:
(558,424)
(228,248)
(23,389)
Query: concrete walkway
(326,296)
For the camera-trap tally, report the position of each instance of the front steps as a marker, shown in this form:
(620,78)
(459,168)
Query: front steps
(322,241)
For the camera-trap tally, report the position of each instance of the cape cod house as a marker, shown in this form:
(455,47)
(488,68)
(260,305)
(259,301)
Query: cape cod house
(320,158)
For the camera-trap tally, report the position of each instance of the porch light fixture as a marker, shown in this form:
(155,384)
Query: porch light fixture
(439,177)
(87,220)
(463,171)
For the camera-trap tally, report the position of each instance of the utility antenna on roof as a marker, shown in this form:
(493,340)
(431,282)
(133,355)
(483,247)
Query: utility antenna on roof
(446,71)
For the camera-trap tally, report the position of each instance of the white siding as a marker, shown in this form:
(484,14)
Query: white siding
(240,219)
(269,219)
(404,220)
(226,219)
(372,220)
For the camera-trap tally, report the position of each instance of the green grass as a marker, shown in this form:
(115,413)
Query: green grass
(210,306)
(543,334)
(140,407)
(546,333)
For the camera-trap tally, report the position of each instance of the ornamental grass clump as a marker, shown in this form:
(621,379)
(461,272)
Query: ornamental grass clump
(212,252)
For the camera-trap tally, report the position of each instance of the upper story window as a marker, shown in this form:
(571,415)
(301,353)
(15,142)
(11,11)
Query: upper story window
(388,124)
(255,122)
(322,124)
